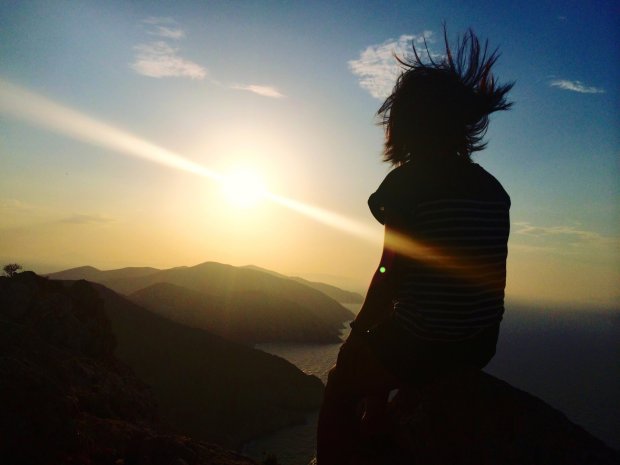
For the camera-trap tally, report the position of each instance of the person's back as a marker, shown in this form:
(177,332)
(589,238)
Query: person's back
(457,214)
(437,298)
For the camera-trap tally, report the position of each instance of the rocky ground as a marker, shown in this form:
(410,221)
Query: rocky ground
(472,418)
(65,397)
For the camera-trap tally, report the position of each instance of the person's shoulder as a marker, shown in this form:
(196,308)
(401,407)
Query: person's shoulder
(400,173)
(491,182)
(396,179)
(392,192)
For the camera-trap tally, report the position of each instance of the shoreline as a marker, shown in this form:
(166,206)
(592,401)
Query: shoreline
(294,445)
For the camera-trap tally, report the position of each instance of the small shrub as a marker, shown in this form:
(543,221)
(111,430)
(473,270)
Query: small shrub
(11,269)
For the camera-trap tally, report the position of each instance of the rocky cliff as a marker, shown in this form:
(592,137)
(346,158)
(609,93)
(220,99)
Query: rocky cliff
(473,418)
(65,397)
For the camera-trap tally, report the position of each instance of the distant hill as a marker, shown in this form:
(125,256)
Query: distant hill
(271,300)
(249,316)
(93,274)
(205,385)
(339,295)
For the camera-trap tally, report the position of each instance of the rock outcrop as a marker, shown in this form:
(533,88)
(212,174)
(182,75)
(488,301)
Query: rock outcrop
(65,397)
(473,418)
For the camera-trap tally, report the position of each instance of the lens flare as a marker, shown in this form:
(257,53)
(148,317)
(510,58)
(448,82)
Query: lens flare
(246,188)
(27,106)
(35,109)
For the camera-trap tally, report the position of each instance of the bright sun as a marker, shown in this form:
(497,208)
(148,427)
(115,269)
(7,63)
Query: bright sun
(244,188)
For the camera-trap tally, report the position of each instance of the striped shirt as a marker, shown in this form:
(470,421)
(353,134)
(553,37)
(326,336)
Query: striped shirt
(455,289)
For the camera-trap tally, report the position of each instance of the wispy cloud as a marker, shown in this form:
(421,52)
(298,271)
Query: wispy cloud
(87,219)
(576,86)
(566,235)
(15,212)
(168,32)
(158,59)
(156,20)
(376,66)
(7,205)
(163,27)
(18,215)
(161,59)
(265,91)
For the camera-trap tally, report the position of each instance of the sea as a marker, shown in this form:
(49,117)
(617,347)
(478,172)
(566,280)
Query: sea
(297,445)
(568,358)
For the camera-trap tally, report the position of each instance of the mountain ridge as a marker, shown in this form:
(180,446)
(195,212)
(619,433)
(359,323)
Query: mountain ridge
(293,308)
(340,295)
(92,273)
(250,317)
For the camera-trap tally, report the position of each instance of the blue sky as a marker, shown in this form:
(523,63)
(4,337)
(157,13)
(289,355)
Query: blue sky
(290,89)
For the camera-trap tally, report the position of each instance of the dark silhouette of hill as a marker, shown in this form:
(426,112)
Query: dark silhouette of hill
(207,386)
(287,302)
(65,397)
(568,357)
(250,317)
(339,295)
(474,418)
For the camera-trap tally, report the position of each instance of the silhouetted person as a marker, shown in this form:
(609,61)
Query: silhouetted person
(435,303)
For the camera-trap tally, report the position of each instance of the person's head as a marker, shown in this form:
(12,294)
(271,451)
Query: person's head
(441,107)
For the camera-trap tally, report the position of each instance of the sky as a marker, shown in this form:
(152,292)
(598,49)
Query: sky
(132,133)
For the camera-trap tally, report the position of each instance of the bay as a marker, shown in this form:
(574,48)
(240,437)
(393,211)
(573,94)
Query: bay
(297,445)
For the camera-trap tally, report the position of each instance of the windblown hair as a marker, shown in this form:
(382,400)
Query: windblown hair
(442,107)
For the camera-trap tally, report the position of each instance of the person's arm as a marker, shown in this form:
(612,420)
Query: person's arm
(385,206)
(378,304)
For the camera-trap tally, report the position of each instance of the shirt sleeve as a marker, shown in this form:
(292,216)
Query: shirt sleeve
(388,195)
(377,206)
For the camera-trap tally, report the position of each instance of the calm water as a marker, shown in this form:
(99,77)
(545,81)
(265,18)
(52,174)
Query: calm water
(570,360)
(296,446)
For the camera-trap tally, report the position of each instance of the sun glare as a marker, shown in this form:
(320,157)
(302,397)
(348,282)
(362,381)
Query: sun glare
(244,188)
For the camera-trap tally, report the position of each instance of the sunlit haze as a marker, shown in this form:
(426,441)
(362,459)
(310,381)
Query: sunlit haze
(152,134)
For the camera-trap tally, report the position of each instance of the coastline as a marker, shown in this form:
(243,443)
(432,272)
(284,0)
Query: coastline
(295,445)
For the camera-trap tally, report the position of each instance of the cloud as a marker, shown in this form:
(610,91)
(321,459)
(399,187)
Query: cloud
(158,59)
(265,91)
(159,20)
(576,86)
(168,32)
(377,68)
(566,235)
(14,205)
(87,219)
(163,27)
(15,212)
